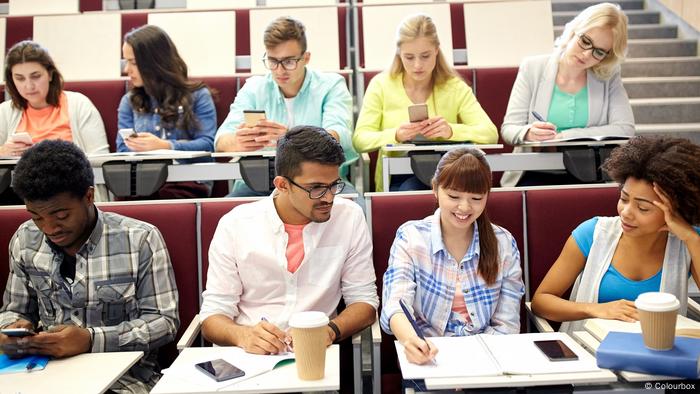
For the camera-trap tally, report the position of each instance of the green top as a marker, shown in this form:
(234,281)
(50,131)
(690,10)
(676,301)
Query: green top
(568,111)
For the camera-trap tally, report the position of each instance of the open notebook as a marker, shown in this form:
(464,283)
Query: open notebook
(587,138)
(493,355)
(600,328)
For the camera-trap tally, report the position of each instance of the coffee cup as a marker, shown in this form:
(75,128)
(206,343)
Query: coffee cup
(657,316)
(309,333)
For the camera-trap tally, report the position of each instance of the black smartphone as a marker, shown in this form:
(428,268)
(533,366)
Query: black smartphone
(220,370)
(17,332)
(556,350)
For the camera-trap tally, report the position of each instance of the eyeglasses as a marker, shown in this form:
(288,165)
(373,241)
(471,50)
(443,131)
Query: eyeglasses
(289,64)
(317,192)
(586,43)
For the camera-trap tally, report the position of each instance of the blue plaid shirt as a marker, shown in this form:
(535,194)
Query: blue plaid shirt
(423,273)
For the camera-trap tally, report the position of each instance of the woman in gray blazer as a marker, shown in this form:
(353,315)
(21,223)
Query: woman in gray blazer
(577,90)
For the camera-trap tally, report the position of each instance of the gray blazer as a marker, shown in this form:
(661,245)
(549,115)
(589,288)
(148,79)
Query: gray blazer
(609,110)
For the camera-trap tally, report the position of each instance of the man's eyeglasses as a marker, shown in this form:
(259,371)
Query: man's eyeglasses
(586,43)
(317,192)
(289,64)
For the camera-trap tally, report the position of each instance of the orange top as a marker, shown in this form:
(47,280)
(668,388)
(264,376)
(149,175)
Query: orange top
(295,246)
(458,305)
(50,123)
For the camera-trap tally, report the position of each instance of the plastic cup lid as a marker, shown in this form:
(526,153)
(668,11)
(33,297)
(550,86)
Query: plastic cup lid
(655,301)
(308,320)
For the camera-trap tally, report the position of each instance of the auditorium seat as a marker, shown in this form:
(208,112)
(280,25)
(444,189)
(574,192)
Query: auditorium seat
(388,211)
(105,95)
(10,217)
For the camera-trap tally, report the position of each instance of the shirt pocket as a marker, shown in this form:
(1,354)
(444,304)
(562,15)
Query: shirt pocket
(43,285)
(116,300)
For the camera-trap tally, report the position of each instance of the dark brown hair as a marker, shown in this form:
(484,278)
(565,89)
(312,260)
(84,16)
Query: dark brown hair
(284,29)
(27,52)
(164,76)
(466,170)
(671,163)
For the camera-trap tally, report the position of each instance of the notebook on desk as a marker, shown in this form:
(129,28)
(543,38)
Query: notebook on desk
(494,355)
(600,328)
(597,138)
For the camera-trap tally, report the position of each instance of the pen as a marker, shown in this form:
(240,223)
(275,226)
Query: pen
(31,365)
(288,348)
(538,116)
(411,320)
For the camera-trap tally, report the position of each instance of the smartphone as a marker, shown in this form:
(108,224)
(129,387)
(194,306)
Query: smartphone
(22,137)
(17,332)
(252,116)
(556,350)
(220,370)
(127,133)
(417,112)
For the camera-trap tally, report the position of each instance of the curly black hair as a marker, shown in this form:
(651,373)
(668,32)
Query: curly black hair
(671,163)
(306,143)
(50,168)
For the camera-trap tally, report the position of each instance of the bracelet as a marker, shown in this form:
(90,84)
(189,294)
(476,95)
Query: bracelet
(335,329)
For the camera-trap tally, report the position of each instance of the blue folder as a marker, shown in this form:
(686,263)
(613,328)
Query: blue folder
(8,365)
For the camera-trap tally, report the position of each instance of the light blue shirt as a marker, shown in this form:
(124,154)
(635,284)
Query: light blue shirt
(323,101)
(423,273)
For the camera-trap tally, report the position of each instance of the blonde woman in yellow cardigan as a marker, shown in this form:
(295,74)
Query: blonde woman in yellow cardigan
(419,74)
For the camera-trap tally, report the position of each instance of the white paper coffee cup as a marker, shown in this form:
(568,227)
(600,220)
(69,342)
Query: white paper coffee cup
(309,334)
(657,316)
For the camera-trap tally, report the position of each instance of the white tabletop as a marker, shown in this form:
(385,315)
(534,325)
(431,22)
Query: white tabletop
(573,143)
(160,154)
(280,380)
(259,153)
(438,147)
(84,373)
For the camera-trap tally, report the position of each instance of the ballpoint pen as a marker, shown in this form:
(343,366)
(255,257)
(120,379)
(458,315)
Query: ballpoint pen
(538,116)
(31,365)
(418,330)
(288,348)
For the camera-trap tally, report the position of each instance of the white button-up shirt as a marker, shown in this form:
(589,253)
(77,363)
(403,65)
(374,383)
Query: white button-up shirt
(248,278)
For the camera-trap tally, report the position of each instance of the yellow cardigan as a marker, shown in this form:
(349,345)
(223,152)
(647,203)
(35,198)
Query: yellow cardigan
(384,108)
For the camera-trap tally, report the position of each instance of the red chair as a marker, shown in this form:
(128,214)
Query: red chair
(11,218)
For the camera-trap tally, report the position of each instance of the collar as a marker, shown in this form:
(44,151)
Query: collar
(438,245)
(92,241)
(302,89)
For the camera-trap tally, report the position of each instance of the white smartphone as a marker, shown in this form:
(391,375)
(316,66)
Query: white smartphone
(417,112)
(17,332)
(127,133)
(22,137)
(252,116)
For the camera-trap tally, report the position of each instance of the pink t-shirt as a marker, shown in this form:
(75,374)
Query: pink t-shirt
(295,246)
(50,123)
(458,305)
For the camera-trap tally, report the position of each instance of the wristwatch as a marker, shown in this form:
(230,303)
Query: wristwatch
(335,330)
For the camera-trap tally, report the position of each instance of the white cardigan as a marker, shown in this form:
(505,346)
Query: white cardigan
(85,123)
(607,233)
(609,110)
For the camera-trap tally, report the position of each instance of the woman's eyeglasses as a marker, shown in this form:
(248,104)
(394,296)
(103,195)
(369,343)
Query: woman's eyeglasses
(586,43)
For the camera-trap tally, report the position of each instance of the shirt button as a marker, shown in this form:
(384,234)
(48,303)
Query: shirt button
(471,314)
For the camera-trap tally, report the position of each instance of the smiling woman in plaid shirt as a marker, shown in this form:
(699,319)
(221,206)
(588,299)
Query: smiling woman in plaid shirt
(87,280)
(457,273)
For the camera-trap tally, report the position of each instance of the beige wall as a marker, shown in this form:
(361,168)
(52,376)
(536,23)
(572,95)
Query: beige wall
(689,10)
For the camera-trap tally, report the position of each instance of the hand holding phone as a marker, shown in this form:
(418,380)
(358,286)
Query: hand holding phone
(24,138)
(556,350)
(17,332)
(127,133)
(252,116)
(220,370)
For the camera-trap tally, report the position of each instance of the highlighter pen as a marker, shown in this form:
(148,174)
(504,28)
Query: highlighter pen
(413,322)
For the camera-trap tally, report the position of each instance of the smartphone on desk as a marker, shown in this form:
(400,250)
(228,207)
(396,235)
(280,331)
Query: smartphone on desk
(417,112)
(22,137)
(220,370)
(252,116)
(556,350)
(17,332)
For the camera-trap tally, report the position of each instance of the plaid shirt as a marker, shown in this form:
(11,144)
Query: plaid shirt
(423,273)
(124,290)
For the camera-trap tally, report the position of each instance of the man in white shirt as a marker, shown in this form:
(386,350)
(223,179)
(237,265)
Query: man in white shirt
(299,249)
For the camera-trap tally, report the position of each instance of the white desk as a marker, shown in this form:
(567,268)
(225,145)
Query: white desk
(280,380)
(84,373)
(559,143)
(591,344)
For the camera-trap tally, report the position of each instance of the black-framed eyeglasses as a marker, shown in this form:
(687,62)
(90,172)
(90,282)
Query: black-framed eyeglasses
(586,43)
(319,191)
(289,64)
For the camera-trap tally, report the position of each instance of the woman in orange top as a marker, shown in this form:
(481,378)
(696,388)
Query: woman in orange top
(41,108)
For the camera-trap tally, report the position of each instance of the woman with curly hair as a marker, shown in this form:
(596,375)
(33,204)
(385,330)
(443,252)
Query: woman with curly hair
(651,246)
(164,108)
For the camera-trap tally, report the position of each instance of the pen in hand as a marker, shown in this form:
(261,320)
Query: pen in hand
(31,365)
(538,116)
(415,326)
(286,342)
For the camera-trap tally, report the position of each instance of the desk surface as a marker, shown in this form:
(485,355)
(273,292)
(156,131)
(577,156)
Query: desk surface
(280,380)
(437,147)
(574,143)
(69,375)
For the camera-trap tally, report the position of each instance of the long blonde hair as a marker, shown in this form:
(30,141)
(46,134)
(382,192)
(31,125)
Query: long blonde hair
(414,27)
(600,15)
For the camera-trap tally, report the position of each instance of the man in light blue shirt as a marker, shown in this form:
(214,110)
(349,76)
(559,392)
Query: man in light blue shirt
(291,94)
